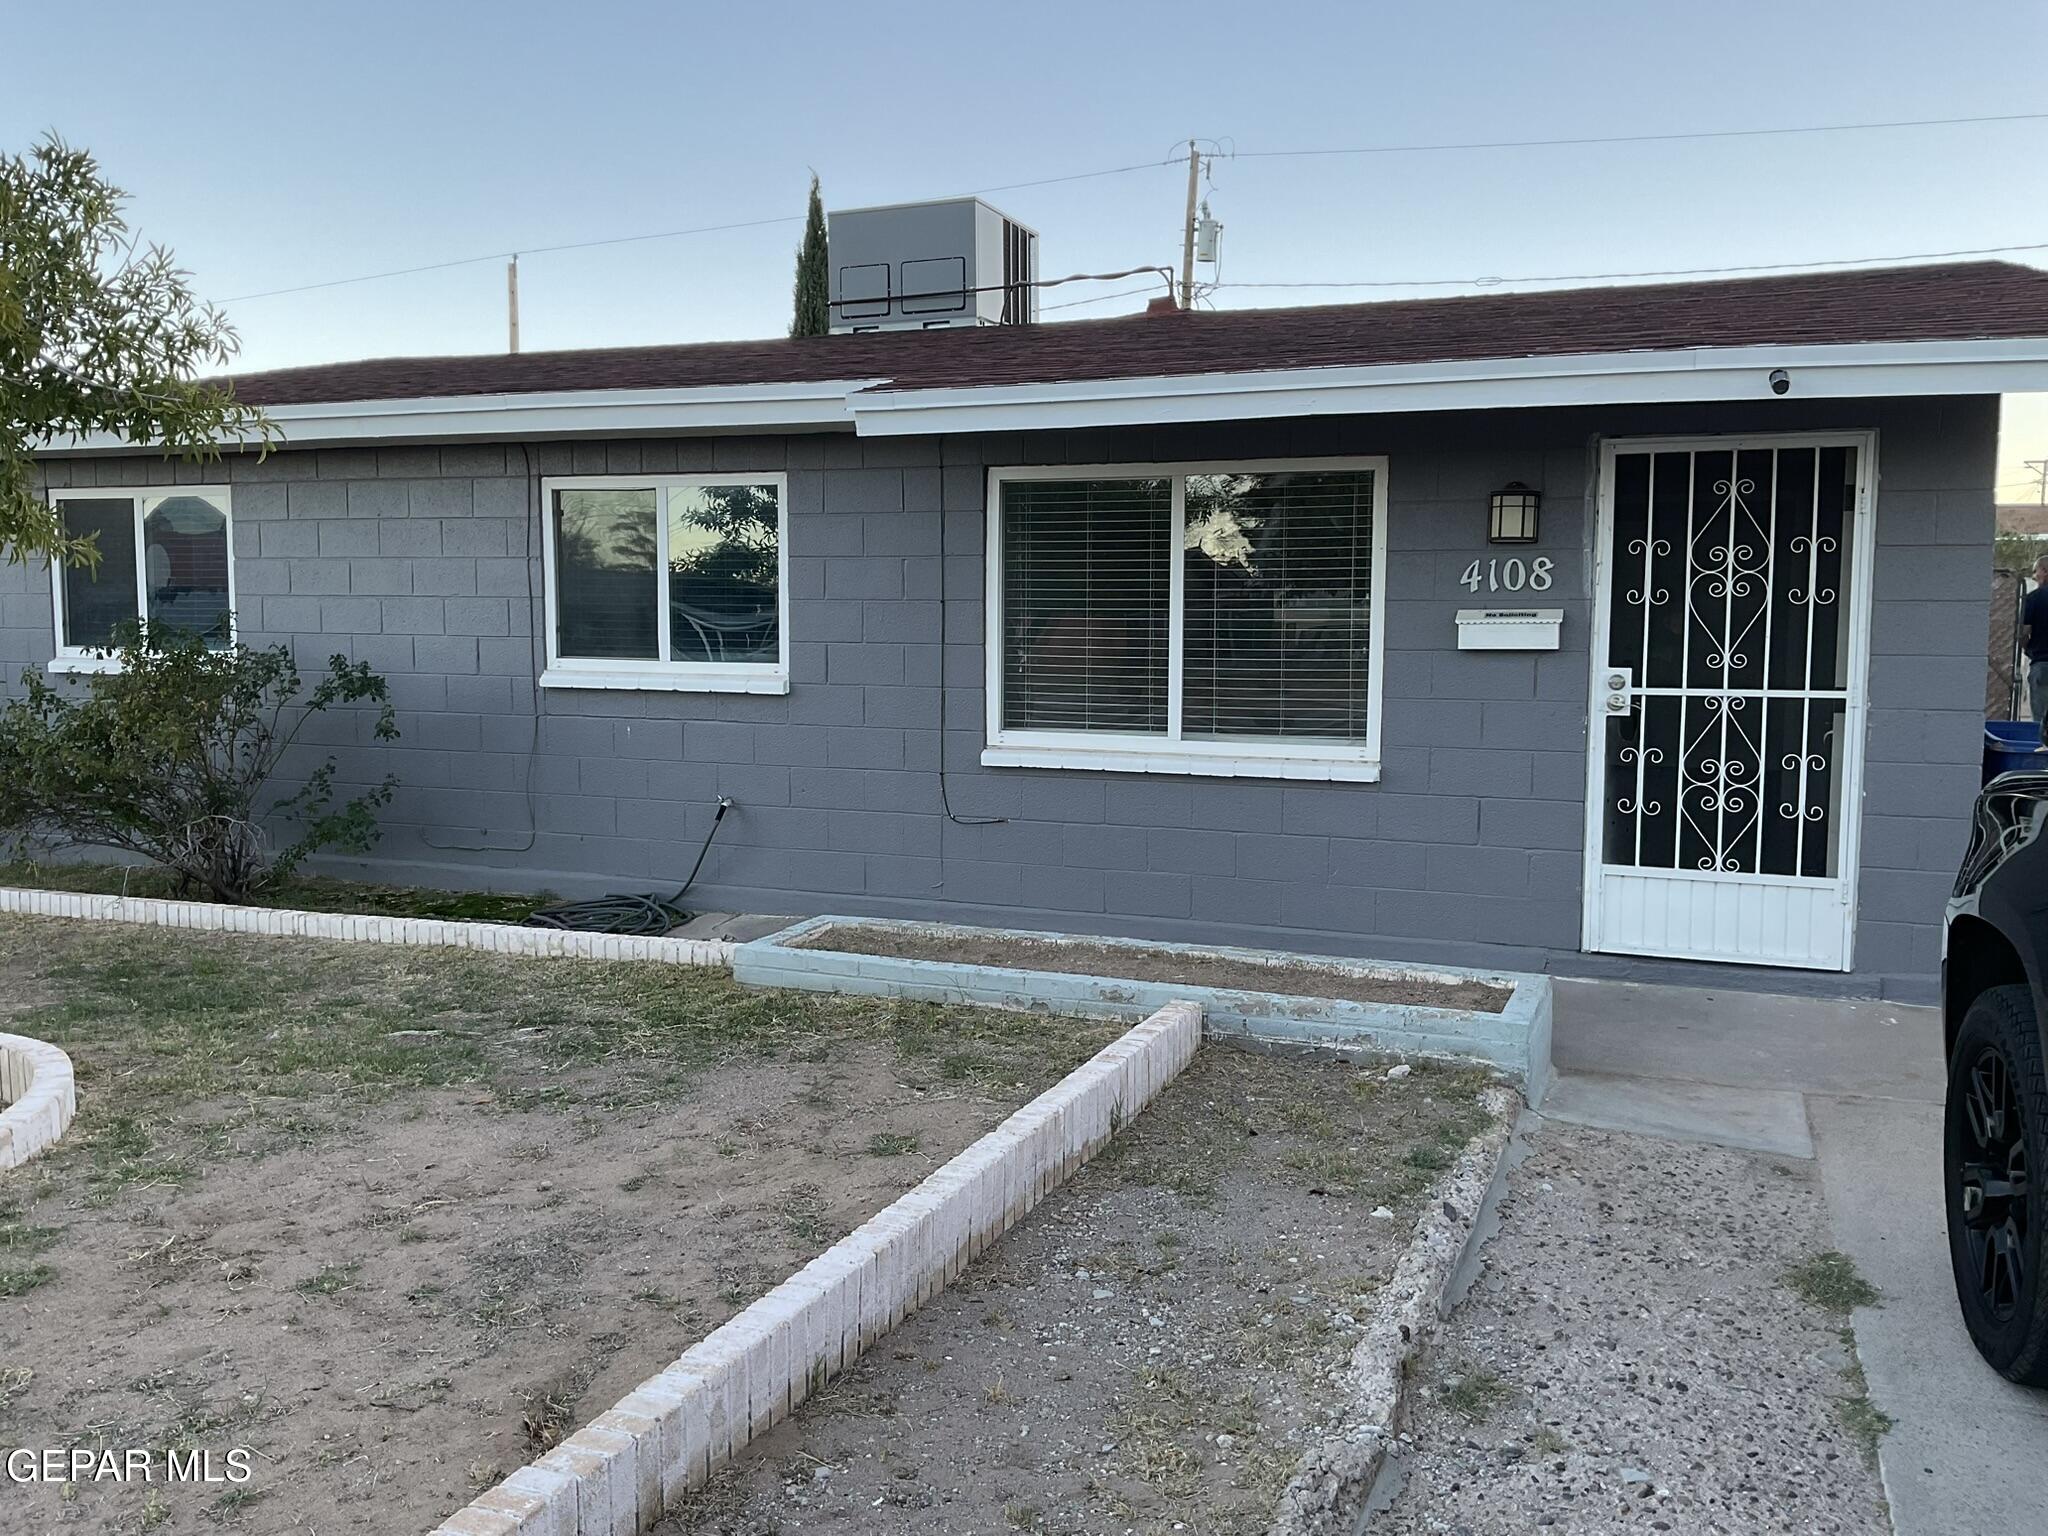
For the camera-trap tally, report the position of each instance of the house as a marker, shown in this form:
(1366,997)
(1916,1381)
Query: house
(1190,626)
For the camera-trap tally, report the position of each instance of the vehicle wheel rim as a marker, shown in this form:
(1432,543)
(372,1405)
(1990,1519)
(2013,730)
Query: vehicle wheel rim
(1993,1190)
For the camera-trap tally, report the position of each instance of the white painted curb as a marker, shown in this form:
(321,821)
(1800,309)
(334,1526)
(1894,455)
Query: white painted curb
(37,1097)
(619,1475)
(422,932)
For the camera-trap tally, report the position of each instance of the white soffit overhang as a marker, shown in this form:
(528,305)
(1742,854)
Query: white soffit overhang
(1597,378)
(871,408)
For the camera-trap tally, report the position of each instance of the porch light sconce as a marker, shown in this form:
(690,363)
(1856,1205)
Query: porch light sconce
(1513,520)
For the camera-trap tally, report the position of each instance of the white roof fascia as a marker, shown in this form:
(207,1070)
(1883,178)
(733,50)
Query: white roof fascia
(560,413)
(1843,371)
(1596,378)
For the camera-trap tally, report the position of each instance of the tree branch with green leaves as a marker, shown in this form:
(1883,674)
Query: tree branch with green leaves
(99,333)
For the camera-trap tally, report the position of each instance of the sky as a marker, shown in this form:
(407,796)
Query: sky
(275,147)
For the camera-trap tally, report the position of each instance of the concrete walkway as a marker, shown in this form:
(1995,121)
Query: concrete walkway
(1859,1085)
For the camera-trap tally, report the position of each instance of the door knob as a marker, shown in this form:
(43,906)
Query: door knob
(1616,686)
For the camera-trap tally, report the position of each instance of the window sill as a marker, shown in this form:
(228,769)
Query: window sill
(1350,770)
(82,665)
(754,680)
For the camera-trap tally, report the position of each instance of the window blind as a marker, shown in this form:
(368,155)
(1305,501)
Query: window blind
(1277,605)
(1086,594)
(185,563)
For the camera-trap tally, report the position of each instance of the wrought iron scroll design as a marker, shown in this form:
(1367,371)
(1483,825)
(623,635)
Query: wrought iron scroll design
(1753,742)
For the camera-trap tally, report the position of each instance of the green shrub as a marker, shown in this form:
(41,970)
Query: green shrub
(169,756)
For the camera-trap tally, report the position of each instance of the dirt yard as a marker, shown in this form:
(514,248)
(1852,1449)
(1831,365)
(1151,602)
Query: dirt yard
(1150,1350)
(396,1220)
(1078,957)
(1656,1343)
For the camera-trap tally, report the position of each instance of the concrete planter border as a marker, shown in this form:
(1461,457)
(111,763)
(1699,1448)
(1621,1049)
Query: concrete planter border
(419,932)
(1332,1487)
(37,1097)
(628,1467)
(1516,1040)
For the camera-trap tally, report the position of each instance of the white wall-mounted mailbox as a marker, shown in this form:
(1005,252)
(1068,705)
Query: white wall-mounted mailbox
(1509,629)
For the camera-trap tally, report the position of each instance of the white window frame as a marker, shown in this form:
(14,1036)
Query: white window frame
(672,676)
(1132,752)
(142,500)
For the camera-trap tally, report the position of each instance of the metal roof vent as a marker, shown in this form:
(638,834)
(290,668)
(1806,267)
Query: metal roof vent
(931,266)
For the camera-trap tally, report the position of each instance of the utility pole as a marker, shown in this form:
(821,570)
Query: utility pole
(1187,244)
(512,304)
(2040,469)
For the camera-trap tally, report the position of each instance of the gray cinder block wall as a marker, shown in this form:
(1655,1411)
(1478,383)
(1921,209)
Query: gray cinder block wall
(424,562)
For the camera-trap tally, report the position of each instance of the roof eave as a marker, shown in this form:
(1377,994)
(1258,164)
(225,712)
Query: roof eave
(873,409)
(1839,371)
(821,406)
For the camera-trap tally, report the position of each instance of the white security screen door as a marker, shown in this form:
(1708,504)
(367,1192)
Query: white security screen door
(1731,627)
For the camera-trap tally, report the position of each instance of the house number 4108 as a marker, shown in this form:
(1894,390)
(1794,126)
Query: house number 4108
(1510,575)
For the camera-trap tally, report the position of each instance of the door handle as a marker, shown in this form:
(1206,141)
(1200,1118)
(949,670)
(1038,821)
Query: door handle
(1615,697)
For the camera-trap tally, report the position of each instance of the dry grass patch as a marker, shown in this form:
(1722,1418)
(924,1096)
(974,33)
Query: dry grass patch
(396,1217)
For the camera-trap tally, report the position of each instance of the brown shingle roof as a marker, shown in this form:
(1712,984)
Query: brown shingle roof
(1960,301)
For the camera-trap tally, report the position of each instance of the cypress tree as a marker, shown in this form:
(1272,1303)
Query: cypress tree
(813,315)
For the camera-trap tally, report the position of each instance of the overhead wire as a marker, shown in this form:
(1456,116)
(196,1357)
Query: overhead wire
(1225,149)
(663,234)
(1588,140)
(1591,277)
(1100,298)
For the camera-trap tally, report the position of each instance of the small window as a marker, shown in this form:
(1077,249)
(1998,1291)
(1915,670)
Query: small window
(668,581)
(163,557)
(1188,619)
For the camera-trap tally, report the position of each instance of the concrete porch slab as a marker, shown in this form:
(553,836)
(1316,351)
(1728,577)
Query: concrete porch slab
(1752,1119)
(1749,1039)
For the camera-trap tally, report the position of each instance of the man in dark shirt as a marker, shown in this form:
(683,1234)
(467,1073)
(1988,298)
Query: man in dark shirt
(2034,616)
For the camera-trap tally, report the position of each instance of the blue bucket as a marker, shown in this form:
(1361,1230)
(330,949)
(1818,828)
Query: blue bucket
(2010,747)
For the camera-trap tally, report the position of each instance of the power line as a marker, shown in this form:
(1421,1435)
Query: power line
(1636,138)
(1146,165)
(1100,298)
(664,234)
(1233,153)
(537,250)
(1595,277)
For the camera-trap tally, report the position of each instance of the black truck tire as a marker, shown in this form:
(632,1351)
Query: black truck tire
(1995,1174)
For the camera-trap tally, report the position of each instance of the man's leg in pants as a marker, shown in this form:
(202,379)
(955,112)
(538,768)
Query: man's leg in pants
(2037,696)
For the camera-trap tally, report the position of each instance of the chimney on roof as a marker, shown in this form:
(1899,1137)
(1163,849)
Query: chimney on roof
(1165,305)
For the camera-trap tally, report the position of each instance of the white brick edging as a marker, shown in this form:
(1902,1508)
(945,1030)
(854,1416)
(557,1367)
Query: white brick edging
(423,932)
(621,1473)
(37,1097)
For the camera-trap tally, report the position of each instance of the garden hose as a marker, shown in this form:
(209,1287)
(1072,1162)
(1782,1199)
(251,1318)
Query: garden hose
(643,916)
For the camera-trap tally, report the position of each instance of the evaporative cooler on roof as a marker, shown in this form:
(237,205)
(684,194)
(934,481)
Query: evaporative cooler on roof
(928,266)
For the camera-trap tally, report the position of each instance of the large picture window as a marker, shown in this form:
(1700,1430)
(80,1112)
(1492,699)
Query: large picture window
(163,557)
(1210,619)
(667,581)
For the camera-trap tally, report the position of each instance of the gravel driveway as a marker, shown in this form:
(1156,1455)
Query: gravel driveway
(1631,1359)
